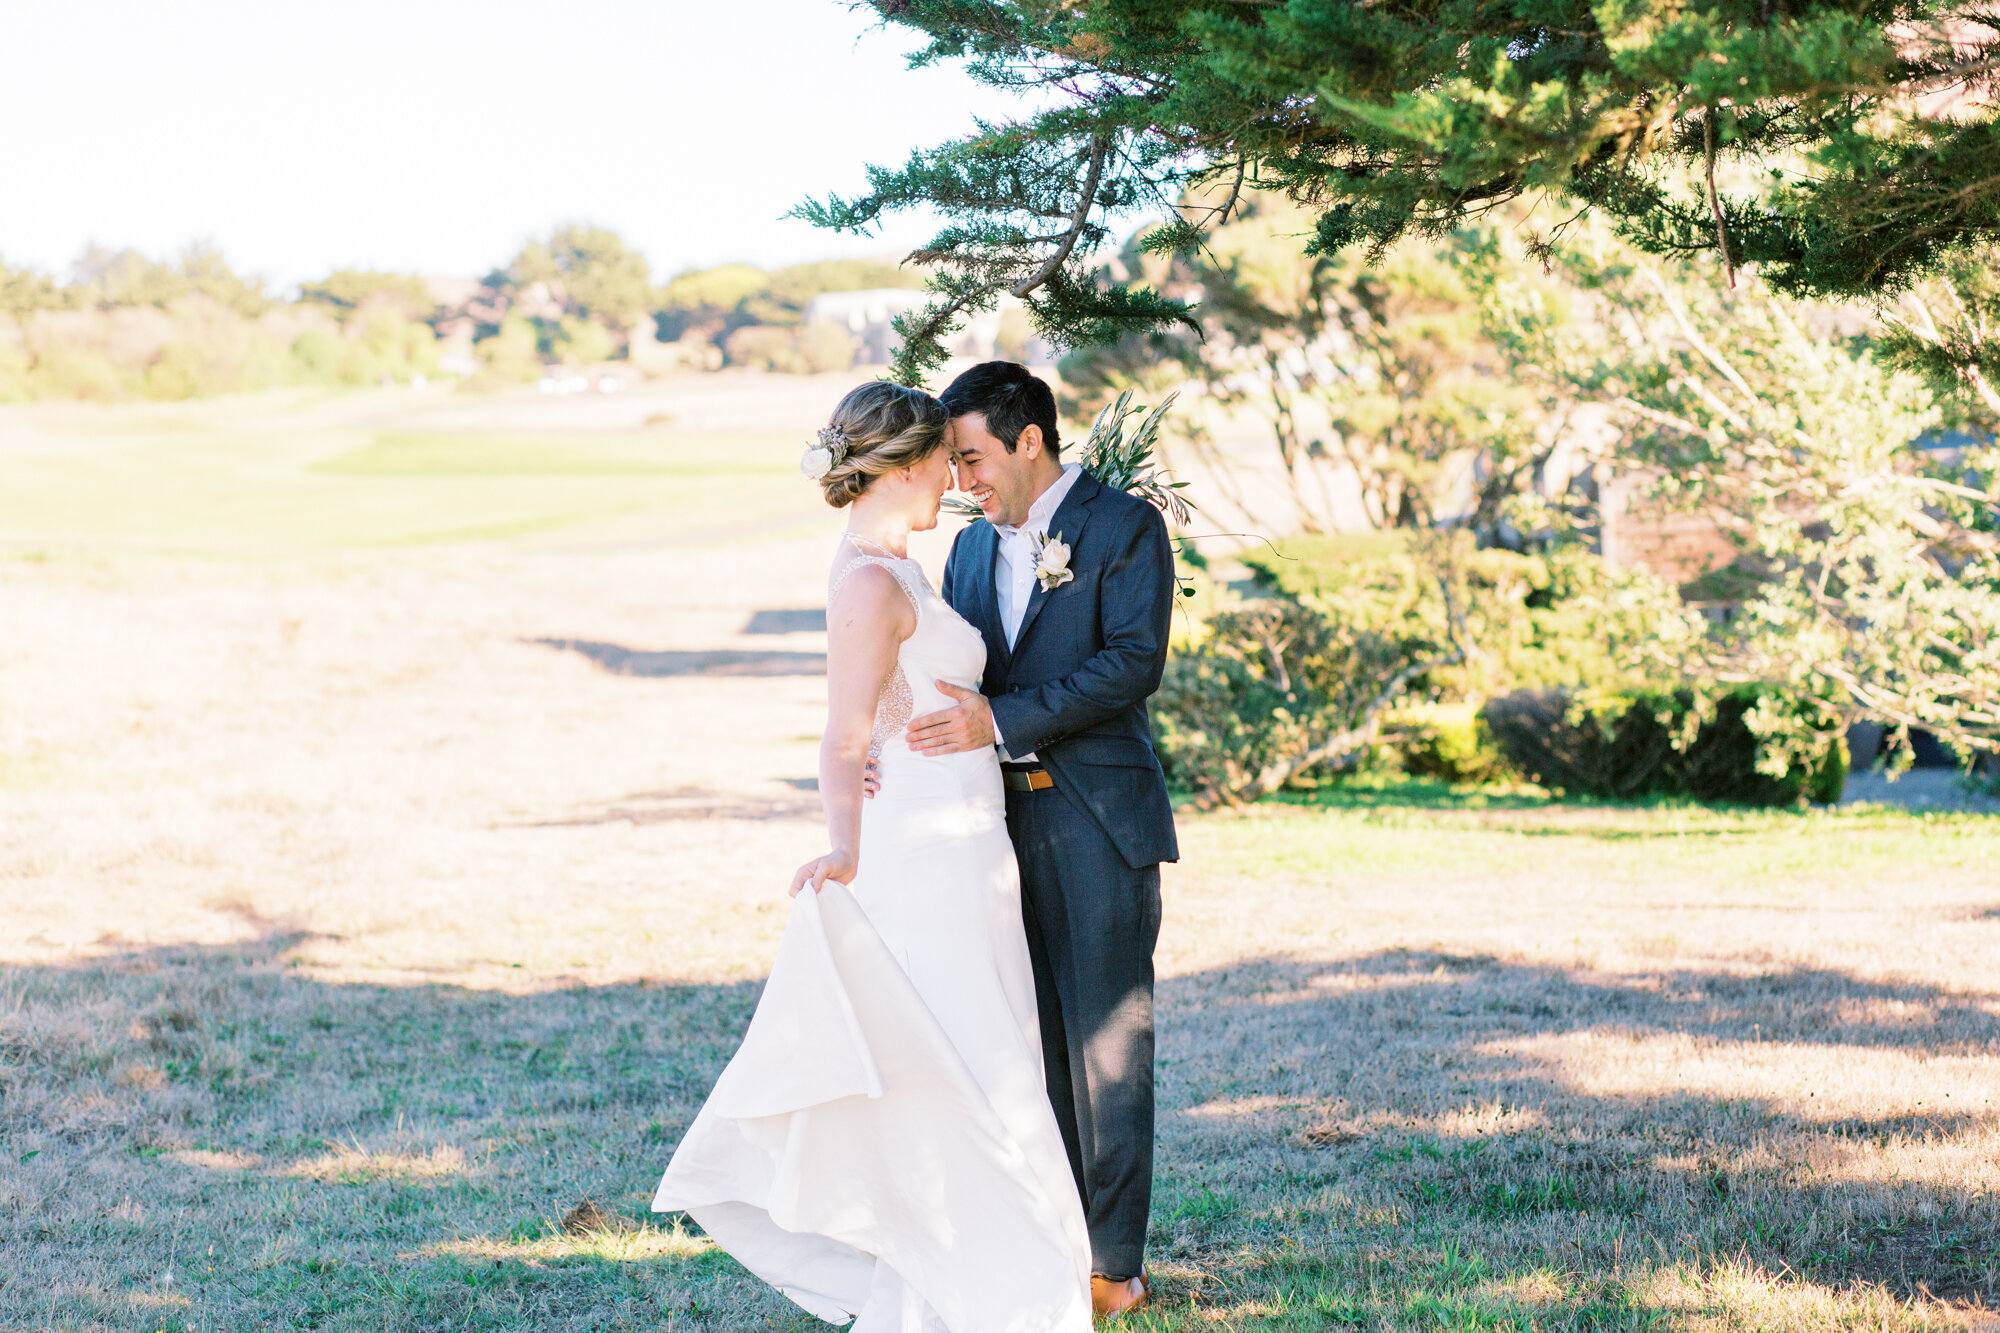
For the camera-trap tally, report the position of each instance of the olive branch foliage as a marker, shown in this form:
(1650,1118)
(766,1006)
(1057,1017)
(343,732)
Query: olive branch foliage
(1122,459)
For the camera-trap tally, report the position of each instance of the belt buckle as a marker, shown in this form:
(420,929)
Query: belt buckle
(1036,779)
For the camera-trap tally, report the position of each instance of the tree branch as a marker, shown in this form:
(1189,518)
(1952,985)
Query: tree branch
(1714,200)
(1100,147)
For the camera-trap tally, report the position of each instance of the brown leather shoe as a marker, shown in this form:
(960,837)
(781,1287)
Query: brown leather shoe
(1112,1298)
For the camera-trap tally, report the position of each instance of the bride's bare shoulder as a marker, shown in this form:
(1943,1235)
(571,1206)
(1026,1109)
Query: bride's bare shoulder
(865,593)
(860,572)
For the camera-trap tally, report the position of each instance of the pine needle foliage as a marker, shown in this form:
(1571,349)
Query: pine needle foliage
(1846,147)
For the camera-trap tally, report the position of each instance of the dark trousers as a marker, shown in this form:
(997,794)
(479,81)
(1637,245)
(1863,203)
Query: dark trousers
(1092,921)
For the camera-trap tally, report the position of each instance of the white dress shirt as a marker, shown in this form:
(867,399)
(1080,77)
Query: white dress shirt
(1014,570)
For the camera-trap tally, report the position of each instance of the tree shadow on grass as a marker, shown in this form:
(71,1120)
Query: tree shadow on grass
(1407,793)
(622,661)
(1550,816)
(1378,1136)
(303,1153)
(1542,1119)
(801,620)
(692,804)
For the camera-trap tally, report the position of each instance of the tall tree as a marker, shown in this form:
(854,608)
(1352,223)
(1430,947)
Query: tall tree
(102,277)
(349,289)
(1868,569)
(24,291)
(600,277)
(1846,146)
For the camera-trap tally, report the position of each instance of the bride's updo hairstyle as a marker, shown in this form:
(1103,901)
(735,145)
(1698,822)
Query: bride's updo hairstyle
(877,428)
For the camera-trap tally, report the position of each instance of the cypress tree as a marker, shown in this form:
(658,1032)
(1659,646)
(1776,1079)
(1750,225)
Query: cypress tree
(1846,147)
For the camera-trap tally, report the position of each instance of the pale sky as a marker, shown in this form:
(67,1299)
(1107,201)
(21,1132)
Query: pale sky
(435,136)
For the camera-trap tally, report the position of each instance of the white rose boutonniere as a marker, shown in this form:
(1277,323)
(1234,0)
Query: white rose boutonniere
(1052,562)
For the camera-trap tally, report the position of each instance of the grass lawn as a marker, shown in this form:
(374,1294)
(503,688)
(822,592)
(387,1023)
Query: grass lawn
(1732,1090)
(215,481)
(356,927)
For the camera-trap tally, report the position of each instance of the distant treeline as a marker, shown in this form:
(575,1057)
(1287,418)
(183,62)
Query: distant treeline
(127,326)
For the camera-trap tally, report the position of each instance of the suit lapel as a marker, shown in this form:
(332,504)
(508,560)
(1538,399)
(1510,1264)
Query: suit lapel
(986,594)
(1066,526)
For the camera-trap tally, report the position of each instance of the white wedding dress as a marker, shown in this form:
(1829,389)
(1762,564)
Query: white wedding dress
(881,1146)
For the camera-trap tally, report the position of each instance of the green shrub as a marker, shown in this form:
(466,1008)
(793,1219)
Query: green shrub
(512,354)
(1665,744)
(387,346)
(804,350)
(824,347)
(582,342)
(377,344)
(1275,687)
(14,386)
(762,347)
(214,350)
(1559,620)
(180,372)
(1265,685)
(1566,648)
(1450,742)
(70,370)
(318,354)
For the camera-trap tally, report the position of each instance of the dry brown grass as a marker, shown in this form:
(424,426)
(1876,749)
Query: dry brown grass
(1606,1055)
(353,932)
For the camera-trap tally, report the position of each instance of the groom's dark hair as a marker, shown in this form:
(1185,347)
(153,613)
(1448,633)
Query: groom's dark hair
(1011,397)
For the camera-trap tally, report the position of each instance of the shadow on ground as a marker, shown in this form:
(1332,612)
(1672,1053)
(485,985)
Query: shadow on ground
(1933,791)
(621,661)
(694,803)
(300,1153)
(1919,789)
(803,620)
(1421,1084)
(304,1154)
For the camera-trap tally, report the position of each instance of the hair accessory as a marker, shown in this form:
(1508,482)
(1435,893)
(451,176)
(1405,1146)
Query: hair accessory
(824,456)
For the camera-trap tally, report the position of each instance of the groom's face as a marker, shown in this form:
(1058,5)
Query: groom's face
(1002,482)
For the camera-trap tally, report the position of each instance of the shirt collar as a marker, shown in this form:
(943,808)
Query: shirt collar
(1046,504)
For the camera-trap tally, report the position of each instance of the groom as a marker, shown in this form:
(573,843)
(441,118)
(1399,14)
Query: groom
(1074,647)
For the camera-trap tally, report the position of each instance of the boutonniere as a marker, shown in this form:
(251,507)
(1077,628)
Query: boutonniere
(1051,561)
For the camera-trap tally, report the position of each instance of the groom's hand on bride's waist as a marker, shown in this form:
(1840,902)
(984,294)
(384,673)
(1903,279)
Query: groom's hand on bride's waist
(966,725)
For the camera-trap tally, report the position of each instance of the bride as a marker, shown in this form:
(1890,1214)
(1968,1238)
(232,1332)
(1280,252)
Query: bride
(881,1147)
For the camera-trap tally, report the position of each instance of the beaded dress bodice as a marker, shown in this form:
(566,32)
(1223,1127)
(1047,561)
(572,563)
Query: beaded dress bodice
(944,646)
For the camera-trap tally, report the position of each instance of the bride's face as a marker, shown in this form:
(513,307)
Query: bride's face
(928,481)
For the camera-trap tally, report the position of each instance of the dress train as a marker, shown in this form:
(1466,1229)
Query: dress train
(848,1157)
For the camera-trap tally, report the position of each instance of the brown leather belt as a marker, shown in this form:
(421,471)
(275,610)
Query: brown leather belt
(1026,777)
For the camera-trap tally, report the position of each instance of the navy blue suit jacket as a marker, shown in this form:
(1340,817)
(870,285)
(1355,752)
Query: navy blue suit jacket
(1073,689)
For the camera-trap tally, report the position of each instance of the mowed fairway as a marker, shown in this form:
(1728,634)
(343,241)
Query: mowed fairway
(396,798)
